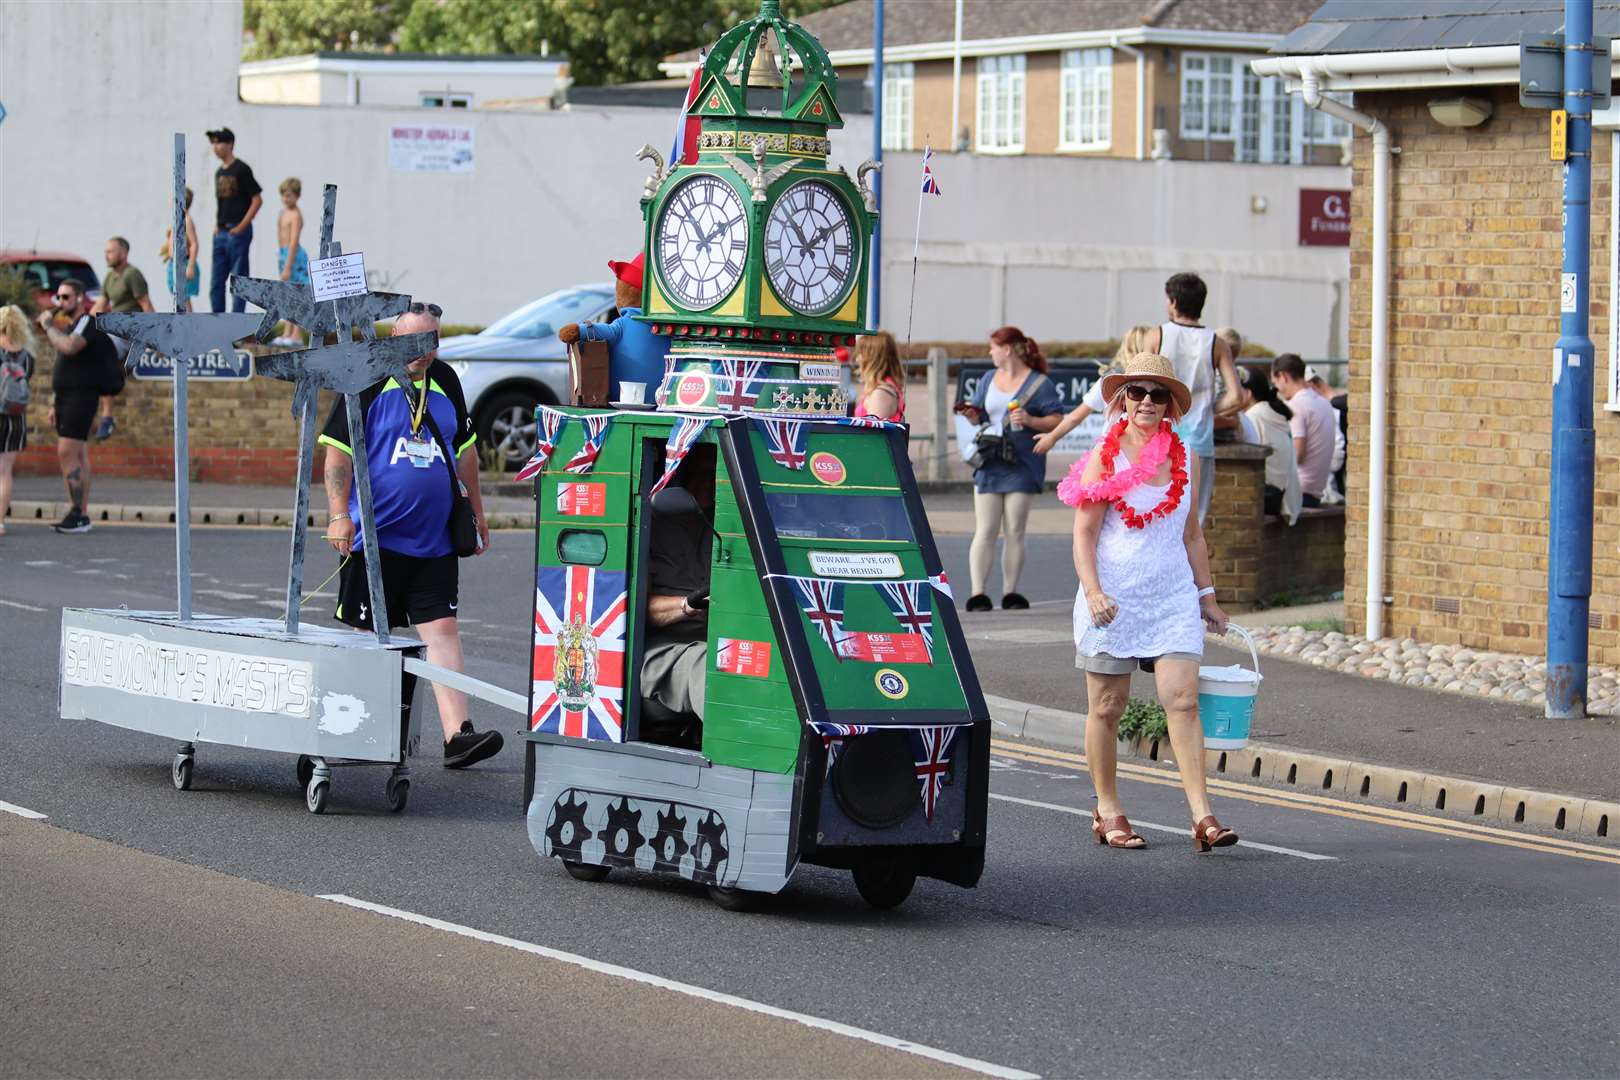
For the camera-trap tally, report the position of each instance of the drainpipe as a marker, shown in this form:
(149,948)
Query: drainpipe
(1310,91)
(1141,91)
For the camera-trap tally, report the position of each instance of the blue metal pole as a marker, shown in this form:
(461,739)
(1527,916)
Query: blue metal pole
(1569,556)
(874,314)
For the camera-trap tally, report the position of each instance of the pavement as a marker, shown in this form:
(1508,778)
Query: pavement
(152,931)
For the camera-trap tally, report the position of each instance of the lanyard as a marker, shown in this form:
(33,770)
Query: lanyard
(419,407)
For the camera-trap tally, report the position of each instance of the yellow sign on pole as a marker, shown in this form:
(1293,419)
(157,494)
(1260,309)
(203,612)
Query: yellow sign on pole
(1560,135)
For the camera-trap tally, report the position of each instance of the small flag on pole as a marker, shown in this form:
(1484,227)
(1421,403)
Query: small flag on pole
(930,186)
(684,150)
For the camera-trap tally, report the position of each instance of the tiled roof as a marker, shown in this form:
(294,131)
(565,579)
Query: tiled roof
(1347,26)
(916,22)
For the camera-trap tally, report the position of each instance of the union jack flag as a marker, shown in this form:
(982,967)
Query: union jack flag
(684,150)
(930,186)
(682,437)
(823,603)
(866,421)
(933,764)
(547,428)
(596,429)
(942,583)
(578,666)
(786,441)
(911,605)
(741,375)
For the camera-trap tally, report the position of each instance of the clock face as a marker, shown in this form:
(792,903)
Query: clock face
(810,248)
(702,241)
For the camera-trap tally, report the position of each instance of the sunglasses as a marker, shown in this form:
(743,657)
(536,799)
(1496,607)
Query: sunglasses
(432,309)
(66,297)
(1157,394)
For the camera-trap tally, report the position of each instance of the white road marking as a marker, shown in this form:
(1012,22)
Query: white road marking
(226,594)
(41,562)
(22,811)
(601,967)
(22,606)
(1187,832)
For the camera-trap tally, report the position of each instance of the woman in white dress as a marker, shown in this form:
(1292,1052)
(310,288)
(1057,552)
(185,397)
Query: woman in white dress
(1145,594)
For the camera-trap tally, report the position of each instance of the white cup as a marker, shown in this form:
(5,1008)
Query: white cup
(632,393)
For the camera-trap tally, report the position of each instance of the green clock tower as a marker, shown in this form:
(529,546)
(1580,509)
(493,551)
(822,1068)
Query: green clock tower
(757,252)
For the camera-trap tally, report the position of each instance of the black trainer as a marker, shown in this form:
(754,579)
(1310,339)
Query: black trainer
(73,522)
(468,747)
(979,602)
(1014,602)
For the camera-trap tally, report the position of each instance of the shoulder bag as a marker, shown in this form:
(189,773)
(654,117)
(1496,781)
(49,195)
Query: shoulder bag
(463,525)
(13,383)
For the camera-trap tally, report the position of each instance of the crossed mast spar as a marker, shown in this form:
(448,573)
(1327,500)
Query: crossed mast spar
(347,367)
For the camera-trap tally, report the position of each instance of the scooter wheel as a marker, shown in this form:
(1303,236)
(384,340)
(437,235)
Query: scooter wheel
(306,770)
(735,899)
(884,886)
(398,790)
(181,772)
(315,796)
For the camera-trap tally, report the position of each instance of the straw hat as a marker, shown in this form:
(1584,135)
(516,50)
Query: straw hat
(1148,367)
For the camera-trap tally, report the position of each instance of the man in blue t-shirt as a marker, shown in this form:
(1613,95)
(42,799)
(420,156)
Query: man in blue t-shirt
(408,430)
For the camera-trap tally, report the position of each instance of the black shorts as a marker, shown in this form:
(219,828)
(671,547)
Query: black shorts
(416,590)
(76,412)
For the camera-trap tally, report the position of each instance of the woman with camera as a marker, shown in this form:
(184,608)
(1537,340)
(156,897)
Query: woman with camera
(1013,404)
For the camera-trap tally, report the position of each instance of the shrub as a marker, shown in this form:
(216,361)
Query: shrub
(17,288)
(1143,719)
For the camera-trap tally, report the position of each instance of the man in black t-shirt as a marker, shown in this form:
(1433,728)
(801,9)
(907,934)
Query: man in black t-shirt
(237,195)
(83,357)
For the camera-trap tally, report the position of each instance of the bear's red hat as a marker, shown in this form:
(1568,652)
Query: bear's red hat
(628,272)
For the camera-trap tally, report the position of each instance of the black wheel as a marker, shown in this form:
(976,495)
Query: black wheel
(399,790)
(505,424)
(315,796)
(585,871)
(884,886)
(735,899)
(181,772)
(306,770)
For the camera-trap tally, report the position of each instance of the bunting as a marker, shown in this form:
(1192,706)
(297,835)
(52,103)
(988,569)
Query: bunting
(786,441)
(548,427)
(596,430)
(682,437)
(933,764)
(823,604)
(911,606)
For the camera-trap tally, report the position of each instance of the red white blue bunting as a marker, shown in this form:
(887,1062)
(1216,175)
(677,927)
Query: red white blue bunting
(785,439)
(682,437)
(933,764)
(547,429)
(596,430)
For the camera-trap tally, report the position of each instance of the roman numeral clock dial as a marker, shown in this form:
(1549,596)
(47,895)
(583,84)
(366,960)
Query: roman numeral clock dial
(810,248)
(702,242)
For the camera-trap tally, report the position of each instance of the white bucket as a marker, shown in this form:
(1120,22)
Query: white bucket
(1226,699)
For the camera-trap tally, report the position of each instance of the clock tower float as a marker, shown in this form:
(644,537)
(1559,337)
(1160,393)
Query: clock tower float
(757,252)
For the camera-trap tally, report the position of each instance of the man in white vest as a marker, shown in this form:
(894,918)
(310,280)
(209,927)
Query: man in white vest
(1197,355)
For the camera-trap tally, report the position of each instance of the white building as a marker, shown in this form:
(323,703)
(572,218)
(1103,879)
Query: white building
(403,79)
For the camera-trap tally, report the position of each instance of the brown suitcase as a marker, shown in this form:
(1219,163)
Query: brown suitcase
(588,379)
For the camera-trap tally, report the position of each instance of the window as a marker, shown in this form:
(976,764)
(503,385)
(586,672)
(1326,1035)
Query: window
(1223,100)
(541,318)
(898,83)
(1087,110)
(1001,105)
(814,515)
(445,100)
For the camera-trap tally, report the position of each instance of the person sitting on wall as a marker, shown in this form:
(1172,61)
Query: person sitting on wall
(672,663)
(635,353)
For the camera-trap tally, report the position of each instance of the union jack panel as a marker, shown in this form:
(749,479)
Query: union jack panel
(578,672)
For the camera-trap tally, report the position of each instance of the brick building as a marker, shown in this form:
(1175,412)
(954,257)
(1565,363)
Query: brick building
(1475,241)
(1091,78)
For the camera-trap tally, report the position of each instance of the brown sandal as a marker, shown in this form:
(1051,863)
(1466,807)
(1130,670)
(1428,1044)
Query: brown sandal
(1118,824)
(1209,834)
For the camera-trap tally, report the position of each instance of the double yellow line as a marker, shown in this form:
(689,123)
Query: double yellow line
(1321,804)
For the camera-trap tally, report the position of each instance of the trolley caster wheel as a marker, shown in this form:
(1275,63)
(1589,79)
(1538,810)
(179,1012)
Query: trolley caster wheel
(315,796)
(180,773)
(399,789)
(735,899)
(585,871)
(884,886)
(306,770)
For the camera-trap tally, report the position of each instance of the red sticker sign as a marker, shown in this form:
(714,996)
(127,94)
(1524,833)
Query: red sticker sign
(827,468)
(582,500)
(740,657)
(884,648)
(691,390)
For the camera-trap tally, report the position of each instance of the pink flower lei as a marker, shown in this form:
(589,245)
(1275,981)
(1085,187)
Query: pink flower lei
(1073,492)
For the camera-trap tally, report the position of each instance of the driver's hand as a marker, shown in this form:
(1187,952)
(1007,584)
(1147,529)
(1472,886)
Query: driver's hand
(698,599)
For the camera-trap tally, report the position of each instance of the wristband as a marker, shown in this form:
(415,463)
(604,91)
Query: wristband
(1207,590)
(338,517)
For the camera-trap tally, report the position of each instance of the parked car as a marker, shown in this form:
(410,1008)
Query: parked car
(517,363)
(48,269)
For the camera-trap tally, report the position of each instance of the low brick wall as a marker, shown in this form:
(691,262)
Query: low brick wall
(241,432)
(1256,559)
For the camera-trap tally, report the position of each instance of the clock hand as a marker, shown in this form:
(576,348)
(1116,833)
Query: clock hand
(822,234)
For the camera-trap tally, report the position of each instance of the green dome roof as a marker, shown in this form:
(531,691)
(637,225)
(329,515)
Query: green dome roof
(809,98)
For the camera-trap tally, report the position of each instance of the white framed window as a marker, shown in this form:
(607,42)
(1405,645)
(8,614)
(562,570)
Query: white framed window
(444,99)
(1001,105)
(1086,118)
(899,87)
(1210,95)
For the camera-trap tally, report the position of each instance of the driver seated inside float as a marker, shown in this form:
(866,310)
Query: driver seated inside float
(674,659)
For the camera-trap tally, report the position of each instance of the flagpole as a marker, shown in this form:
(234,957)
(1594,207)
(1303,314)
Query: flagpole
(916,237)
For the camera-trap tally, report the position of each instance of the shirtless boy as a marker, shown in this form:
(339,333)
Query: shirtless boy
(291,259)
